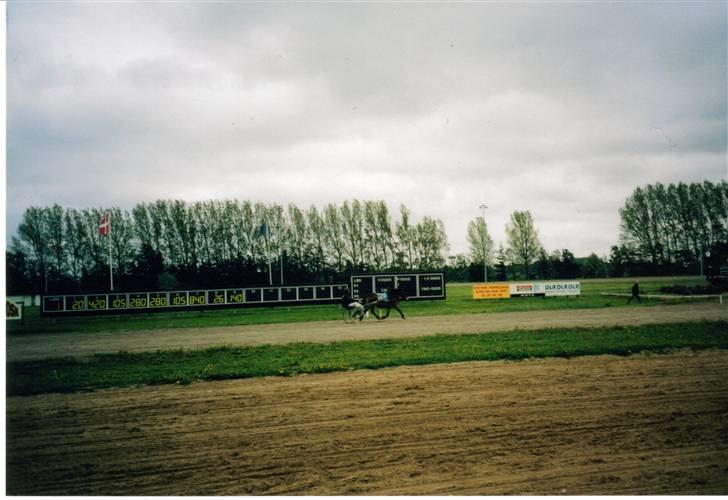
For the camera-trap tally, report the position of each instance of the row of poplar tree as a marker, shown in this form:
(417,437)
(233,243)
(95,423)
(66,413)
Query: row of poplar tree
(672,227)
(171,243)
(168,244)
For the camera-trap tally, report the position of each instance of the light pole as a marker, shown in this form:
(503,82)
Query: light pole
(485,264)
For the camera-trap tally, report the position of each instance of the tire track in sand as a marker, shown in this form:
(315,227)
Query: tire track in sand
(644,424)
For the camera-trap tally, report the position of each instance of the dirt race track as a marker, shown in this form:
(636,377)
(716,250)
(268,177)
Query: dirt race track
(37,346)
(590,425)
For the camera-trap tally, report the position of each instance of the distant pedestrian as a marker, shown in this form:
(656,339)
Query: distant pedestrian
(635,293)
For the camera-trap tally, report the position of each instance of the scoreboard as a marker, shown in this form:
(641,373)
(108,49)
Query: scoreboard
(227,297)
(416,286)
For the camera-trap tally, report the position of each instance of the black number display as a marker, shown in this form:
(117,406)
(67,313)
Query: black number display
(117,301)
(414,285)
(235,297)
(75,303)
(158,299)
(361,286)
(137,300)
(431,285)
(382,283)
(96,302)
(408,285)
(178,298)
(216,297)
(197,298)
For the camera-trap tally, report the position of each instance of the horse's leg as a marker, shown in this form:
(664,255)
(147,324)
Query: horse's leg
(373,311)
(399,311)
(386,315)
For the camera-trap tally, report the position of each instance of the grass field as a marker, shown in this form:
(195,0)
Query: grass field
(184,366)
(458,301)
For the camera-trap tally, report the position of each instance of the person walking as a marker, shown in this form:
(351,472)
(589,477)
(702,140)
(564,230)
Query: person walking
(635,292)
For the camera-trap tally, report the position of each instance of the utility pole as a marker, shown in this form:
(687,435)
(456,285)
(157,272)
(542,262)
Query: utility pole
(485,264)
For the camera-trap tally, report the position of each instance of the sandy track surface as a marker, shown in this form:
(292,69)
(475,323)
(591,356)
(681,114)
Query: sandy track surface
(40,346)
(590,425)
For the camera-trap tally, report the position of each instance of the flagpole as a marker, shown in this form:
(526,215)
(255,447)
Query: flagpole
(111,270)
(267,250)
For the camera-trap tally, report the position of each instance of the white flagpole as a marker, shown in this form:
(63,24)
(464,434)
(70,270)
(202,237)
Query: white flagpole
(267,250)
(111,270)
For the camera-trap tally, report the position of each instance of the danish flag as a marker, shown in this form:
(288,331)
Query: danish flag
(105,224)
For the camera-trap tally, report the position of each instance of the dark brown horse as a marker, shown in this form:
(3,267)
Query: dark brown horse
(394,296)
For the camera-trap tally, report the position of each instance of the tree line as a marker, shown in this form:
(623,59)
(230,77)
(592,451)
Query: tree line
(524,257)
(664,230)
(669,229)
(173,244)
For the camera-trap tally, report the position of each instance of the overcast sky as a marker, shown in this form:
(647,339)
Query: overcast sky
(562,108)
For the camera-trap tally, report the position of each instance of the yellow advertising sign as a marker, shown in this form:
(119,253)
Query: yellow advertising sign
(492,291)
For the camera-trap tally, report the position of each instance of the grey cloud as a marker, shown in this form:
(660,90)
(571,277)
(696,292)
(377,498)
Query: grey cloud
(560,108)
(165,74)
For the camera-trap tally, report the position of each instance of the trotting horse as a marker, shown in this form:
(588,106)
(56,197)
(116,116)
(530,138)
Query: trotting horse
(394,296)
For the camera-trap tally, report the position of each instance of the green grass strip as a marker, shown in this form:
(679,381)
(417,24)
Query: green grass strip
(184,366)
(459,301)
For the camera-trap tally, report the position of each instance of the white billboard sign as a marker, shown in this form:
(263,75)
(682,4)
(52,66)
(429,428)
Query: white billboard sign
(547,288)
(561,288)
